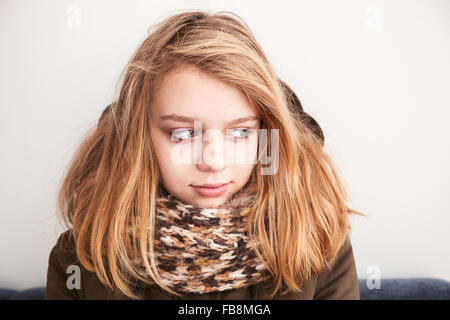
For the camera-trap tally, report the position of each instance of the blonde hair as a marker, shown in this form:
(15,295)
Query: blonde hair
(299,216)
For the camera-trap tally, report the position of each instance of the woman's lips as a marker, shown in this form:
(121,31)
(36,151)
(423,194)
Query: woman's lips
(211,191)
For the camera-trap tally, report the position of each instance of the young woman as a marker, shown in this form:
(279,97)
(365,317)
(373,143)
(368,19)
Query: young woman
(204,179)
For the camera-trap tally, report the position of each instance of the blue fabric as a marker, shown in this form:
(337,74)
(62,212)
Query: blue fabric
(406,289)
(5,294)
(390,289)
(36,293)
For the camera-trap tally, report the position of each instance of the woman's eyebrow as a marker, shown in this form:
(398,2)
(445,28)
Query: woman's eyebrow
(180,118)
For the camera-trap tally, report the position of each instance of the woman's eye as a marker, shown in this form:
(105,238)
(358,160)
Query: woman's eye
(181,135)
(241,133)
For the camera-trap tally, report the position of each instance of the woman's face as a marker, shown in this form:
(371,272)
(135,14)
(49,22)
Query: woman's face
(221,148)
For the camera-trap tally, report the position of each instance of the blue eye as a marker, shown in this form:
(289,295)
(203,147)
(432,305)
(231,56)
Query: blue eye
(244,133)
(180,135)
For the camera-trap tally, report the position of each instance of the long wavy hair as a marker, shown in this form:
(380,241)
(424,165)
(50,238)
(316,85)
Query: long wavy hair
(299,216)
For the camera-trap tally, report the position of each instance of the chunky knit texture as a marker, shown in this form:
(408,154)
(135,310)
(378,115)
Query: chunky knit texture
(202,250)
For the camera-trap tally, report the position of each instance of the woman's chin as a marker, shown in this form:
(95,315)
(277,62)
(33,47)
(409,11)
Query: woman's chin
(209,203)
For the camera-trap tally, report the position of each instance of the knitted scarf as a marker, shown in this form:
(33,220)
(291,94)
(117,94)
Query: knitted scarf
(202,250)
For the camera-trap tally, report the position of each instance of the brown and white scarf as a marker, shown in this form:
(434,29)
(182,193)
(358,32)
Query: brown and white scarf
(202,250)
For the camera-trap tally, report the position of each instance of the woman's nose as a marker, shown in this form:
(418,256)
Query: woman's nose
(213,157)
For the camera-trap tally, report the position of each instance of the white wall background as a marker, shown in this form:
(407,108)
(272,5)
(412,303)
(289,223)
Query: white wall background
(375,74)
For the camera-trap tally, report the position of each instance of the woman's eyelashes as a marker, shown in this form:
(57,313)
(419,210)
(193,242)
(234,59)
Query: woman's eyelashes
(180,135)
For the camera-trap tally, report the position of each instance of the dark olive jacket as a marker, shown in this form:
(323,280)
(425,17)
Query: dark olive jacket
(338,282)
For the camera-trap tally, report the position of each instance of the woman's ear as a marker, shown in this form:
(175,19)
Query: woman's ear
(296,107)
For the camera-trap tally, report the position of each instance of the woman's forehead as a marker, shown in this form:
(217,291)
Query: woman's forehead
(195,94)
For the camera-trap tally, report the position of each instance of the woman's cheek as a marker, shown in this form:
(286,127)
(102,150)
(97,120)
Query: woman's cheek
(180,154)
